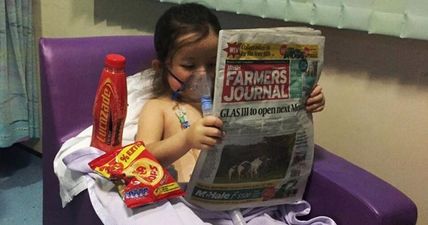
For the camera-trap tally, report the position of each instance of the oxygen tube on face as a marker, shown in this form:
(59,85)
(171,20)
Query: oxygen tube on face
(176,93)
(199,86)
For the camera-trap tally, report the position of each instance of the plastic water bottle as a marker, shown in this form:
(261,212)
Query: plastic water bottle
(206,99)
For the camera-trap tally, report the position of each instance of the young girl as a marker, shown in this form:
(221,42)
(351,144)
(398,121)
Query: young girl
(171,124)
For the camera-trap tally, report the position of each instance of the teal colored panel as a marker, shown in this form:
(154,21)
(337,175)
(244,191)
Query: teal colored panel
(327,13)
(228,5)
(386,23)
(387,17)
(299,11)
(207,3)
(401,18)
(172,1)
(416,20)
(415,26)
(276,9)
(417,7)
(355,17)
(391,6)
(253,7)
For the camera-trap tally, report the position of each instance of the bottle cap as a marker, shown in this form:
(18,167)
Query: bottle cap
(115,60)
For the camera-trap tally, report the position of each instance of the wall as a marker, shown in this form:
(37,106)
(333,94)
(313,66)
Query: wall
(376,86)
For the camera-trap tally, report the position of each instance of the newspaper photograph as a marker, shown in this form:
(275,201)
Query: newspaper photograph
(263,78)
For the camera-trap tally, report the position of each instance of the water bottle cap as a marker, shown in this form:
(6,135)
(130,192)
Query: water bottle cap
(115,60)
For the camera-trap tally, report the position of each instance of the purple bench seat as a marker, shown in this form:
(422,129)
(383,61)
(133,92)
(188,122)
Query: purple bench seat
(70,69)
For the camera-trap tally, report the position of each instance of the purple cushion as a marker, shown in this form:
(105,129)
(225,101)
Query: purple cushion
(70,69)
(353,196)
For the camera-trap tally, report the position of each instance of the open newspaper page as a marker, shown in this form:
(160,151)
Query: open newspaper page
(263,79)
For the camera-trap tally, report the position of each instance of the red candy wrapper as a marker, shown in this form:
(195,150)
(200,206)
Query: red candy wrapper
(139,177)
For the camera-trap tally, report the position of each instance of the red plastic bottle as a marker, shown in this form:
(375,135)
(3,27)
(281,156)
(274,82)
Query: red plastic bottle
(110,105)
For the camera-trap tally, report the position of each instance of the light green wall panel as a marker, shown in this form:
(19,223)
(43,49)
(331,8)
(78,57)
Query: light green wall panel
(276,9)
(355,17)
(327,12)
(386,23)
(299,11)
(401,18)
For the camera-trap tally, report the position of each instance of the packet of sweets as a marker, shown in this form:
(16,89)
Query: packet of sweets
(139,177)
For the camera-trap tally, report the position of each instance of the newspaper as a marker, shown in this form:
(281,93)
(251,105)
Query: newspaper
(263,78)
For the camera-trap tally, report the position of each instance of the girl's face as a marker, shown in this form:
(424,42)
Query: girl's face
(194,58)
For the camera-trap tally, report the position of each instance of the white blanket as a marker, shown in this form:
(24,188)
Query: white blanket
(74,174)
(72,182)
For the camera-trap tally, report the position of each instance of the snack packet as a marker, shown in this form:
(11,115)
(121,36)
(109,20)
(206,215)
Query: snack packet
(139,177)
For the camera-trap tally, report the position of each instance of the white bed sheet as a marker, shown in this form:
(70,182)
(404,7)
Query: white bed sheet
(73,182)
(74,174)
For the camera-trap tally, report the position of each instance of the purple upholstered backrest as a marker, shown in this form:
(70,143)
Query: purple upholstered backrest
(70,70)
(66,62)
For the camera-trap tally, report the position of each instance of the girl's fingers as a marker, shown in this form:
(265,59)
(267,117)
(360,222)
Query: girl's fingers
(212,121)
(209,142)
(316,107)
(315,99)
(316,91)
(214,132)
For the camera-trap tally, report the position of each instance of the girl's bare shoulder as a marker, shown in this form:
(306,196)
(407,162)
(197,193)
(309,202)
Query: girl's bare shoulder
(159,103)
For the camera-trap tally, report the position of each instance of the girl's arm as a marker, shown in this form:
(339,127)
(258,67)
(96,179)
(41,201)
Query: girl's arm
(202,134)
(151,124)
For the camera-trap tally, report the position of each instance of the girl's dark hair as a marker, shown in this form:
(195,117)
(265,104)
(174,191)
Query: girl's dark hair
(175,22)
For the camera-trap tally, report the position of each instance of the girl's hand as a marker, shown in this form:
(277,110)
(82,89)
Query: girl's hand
(316,100)
(204,133)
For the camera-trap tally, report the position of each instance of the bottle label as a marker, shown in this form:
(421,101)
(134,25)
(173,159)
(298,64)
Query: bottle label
(109,116)
(104,125)
(110,106)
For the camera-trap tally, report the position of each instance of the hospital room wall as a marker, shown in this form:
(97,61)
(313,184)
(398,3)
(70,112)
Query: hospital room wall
(376,86)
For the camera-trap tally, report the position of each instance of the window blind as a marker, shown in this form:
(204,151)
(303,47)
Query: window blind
(401,18)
